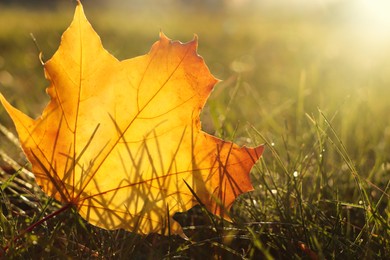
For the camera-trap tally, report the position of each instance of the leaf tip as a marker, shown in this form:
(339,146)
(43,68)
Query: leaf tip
(195,39)
(259,151)
(4,102)
(163,37)
(79,10)
(18,117)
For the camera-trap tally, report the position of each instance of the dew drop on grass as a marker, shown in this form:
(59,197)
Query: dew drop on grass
(344,167)
(23,198)
(274,191)
(254,203)
(295,174)
(272,144)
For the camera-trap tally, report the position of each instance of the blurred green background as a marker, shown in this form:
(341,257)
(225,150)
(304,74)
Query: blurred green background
(278,60)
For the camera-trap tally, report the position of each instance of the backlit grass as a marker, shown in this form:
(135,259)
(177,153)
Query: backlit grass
(306,84)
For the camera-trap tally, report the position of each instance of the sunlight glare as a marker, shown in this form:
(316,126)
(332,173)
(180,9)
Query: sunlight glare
(372,18)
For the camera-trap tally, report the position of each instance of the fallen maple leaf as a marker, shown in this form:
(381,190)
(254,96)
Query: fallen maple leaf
(119,140)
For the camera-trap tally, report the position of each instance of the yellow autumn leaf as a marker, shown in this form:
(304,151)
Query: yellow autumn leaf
(119,140)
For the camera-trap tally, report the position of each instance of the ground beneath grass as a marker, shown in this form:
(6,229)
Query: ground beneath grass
(312,84)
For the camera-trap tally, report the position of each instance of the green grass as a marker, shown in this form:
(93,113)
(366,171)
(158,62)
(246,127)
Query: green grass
(303,83)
